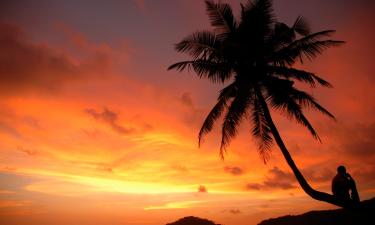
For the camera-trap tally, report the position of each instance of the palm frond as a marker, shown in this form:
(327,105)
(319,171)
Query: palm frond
(321,81)
(282,34)
(235,112)
(256,19)
(225,94)
(279,96)
(306,100)
(309,46)
(300,75)
(201,44)
(294,110)
(315,36)
(261,131)
(221,17)
(301,26)
(217,72)
(261,6)
(313,49)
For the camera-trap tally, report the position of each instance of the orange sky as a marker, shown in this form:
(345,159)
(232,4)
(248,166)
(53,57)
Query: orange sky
(94,130)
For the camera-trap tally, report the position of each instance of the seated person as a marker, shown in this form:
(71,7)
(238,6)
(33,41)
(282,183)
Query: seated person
(343,184)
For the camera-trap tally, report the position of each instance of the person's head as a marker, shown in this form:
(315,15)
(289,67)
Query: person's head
(341,170)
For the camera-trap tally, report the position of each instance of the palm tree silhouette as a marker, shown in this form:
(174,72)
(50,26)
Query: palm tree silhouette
(256,54)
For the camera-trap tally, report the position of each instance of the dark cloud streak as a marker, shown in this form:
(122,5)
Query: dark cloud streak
(235,171)
(277,179)
(111,118)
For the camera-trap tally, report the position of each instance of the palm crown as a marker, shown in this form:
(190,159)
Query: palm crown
(256,55)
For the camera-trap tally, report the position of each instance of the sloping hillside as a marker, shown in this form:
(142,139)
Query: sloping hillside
(364,215)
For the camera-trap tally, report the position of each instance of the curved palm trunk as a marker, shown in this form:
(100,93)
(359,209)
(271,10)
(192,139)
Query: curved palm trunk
(321,196)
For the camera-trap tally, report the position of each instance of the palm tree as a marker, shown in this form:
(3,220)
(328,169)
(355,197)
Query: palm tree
(256,54)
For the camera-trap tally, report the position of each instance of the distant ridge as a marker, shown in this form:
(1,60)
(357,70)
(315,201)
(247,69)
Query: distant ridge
(364,215)
(191,220)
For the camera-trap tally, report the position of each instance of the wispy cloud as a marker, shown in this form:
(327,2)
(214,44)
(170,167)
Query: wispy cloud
(276,179)
(235,211)
(235,170)
(111,118)
(30,152)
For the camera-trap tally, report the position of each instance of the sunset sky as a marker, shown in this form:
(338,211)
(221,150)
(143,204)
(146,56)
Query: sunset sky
(95,131)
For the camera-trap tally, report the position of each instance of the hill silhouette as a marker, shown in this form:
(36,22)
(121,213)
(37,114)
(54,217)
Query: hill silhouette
(191,220)
(363,215)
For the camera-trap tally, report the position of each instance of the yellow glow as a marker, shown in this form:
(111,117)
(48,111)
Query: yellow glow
(69,185)
(175,205)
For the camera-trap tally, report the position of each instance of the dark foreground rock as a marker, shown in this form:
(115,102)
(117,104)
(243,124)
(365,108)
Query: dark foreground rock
(363,215)
(191,220)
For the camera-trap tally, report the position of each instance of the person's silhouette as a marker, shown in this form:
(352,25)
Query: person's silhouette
(343,186)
